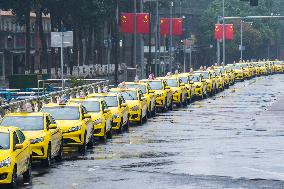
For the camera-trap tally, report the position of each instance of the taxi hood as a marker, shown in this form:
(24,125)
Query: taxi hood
(34,134)
(67,123)
(4,154)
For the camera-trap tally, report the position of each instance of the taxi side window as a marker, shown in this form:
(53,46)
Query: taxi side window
(15,140)
(48,121)
(21,136)
(84,110)
(103,106)
(140,95)
(122,99)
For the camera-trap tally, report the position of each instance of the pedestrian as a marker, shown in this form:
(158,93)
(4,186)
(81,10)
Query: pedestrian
(136,79)
(201,68)
(151,76)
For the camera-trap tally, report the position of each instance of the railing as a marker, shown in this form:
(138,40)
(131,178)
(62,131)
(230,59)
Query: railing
(34,104)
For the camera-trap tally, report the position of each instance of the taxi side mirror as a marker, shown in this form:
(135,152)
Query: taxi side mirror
(143,98)
(203,80)
(167,87)
(151,91)
(106,111)
(19,146)
(52,126)
(182,84)
(86,116)
(123,105)
(191,82)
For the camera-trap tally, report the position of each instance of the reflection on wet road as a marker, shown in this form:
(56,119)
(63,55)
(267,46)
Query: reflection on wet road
(234,140)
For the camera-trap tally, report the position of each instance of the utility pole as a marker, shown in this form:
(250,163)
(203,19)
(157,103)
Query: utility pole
(149,59)
(218,45)
(241,40)
(171,34)
(156,37)
(116,44)
(62,77)
(141,40)
(224,43)
(135,37)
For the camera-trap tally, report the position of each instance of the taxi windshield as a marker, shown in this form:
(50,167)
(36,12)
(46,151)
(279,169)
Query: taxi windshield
(194,78)
(63,112)
(129,95)
(110,100)
(25,123)
(205,75)
(4,141)
(137,86)
(172,82)
(184,79)
(238,67)
(91,106)
(156,85)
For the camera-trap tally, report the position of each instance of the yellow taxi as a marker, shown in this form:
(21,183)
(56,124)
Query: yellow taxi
(178,89)
(137,104)
(220,81)
(118,108)
(263,68)
(247,71)
(230,72)
(74,122)
(150,96)
(200,87)
(211,82)
(164,94)
(100,115)
(279,68)
(15,156)
(256,67)
(42,131)
(185,79)
(239,72)
(224,75)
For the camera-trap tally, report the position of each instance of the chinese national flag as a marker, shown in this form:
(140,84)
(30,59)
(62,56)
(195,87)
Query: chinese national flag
(229,31)
(165,26)
(177,26)
(218,31)
(143,23)
(127,23)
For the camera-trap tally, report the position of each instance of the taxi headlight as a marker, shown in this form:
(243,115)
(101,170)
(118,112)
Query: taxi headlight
(135,108)
(115,116)
(37,140)
(159,95)
(74,129)
(98,121)
(5,163)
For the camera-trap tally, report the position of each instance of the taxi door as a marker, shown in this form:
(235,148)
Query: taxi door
(19,155)
(25,150)
(143,102)
(107,115)
(169,93)
(88,122)
(55,138)
(124,109)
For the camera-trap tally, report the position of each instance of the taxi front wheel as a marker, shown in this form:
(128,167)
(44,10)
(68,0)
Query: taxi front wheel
(47,162)
(28,173)
(83,148)
(14,183)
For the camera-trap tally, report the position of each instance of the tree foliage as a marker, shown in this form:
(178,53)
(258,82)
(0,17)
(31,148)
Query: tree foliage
(258,37)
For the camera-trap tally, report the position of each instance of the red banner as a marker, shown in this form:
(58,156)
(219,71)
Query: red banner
(143,23)
(165,26)
(229,31)
(177,26)
(127,22)
(218,31)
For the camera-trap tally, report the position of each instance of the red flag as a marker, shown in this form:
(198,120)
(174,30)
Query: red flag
(229,31)
(127,23)
(143,23)
(177,26)
(165,26)
(218,31)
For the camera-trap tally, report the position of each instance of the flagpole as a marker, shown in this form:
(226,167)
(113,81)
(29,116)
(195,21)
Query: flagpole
(141,40)
(156,42)
(171,34)
(135,33)
(224,43)
(218,45)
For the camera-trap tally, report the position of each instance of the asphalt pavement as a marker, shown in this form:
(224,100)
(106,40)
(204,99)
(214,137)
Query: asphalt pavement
(232,140)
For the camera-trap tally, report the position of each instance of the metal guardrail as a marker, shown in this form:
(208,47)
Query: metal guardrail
(36,103)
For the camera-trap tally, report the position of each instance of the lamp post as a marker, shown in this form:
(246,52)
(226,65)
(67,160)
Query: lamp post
(156,37)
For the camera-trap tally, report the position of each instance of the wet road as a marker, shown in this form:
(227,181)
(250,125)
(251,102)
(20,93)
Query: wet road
(234,140)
